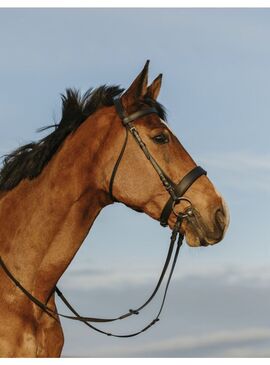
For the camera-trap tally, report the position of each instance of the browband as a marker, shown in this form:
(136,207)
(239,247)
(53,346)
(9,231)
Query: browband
(136,115)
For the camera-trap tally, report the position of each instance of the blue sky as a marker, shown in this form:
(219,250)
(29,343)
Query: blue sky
(216,90)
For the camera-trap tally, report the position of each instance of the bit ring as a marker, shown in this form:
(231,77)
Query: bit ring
(189,211)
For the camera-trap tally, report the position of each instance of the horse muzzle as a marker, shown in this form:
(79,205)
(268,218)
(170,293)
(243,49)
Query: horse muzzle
(198,232)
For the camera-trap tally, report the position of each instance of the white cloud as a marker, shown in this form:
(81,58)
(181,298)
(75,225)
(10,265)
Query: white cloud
(224,312)
(220,338)
(247,351)
(239,161)
(85,279)
(242,170)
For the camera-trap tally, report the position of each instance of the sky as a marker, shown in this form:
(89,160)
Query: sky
(215,65)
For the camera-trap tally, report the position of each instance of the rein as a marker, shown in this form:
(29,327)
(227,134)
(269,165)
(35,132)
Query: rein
(87,320)
(176,192)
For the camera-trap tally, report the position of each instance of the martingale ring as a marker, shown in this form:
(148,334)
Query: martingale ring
(189,211)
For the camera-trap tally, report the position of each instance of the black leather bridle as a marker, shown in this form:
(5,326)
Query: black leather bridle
(176,192)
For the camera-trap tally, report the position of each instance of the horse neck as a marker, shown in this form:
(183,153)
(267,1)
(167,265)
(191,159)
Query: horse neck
(55,211)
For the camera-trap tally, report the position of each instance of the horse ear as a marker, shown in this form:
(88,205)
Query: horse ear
(138,88)
(154,89)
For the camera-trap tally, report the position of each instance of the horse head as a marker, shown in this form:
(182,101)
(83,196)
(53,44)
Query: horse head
(136,183)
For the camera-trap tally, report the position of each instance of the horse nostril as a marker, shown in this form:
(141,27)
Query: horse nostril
(220,219)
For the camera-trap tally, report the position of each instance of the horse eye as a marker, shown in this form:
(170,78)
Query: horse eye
(161,139)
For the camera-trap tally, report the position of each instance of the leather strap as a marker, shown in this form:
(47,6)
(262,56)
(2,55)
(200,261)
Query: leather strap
(36,301)
(126,120)
(175,191)
(180,189)
(86,320)
(116,167)
(167,183)
(174,235)
(136,115)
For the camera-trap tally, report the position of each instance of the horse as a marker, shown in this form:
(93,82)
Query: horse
(52,190)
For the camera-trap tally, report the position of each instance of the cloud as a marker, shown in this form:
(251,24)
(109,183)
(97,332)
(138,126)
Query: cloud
(239,161)
(211,311)
(107,279)
(228,341)
(247,351)
(241,170)
(85,279)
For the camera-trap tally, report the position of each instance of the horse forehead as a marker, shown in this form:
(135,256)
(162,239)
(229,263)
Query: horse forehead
(166,125)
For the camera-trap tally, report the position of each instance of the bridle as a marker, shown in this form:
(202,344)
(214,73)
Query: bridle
(176,192)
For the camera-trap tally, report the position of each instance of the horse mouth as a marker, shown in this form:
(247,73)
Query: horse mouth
(204,243)
(195,238)
(198,234)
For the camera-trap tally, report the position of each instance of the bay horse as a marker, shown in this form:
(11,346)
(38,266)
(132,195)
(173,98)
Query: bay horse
(51,192)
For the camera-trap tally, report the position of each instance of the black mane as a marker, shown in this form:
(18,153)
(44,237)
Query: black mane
(29,160)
